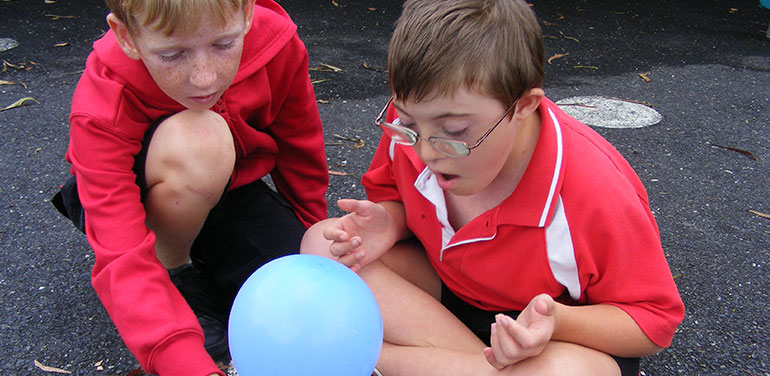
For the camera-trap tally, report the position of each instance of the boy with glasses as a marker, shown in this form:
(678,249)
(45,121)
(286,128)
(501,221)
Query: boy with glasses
(502,236)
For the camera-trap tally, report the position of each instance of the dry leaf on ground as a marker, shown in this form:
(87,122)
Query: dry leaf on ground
(19,103)
(326,68)
(4,82)
(55,17)
(332,67)
(358,143)
(372,67)
(744,152)
(568,37)
(557,56)
(50,369)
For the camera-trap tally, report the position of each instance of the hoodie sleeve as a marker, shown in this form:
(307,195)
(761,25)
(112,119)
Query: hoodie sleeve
(153,319)
(300,173)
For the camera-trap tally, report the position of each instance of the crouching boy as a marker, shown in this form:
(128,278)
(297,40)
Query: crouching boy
(184,106)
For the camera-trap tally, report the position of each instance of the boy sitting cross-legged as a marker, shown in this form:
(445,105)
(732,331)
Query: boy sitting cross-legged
(502,237)
(184,106)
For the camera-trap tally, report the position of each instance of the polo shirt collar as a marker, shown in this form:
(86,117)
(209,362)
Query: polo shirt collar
(534,200)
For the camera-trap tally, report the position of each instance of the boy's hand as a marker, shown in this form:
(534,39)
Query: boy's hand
(515,340)
(361,236)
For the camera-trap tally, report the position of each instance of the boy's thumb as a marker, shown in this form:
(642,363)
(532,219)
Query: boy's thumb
(544,304)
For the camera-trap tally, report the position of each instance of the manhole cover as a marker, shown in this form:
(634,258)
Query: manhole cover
(607,112)
(7,43)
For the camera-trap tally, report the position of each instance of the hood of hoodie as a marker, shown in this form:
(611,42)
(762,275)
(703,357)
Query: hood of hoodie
(271,30)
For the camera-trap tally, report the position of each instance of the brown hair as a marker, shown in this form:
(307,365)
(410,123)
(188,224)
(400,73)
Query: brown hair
(439,46)
(170,16)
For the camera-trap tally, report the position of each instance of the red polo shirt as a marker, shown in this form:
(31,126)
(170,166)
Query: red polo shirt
(577,227)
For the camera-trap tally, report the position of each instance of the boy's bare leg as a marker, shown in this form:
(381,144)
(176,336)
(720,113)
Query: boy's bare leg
(408,292)
(558,358)
(423,338)
(189,162)
(405,285)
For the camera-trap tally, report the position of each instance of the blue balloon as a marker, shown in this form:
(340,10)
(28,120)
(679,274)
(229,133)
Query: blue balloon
(305,315)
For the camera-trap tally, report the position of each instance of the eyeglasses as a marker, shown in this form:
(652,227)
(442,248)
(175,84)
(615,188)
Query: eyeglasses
(451,148)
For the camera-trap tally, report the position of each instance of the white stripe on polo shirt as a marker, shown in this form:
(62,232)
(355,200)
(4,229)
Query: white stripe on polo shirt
(561,252)
(557,168)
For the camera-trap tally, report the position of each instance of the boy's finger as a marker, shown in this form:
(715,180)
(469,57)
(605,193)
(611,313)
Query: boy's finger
(525,338)
(511,326)
(498,346)
(335,234)
(339,249)
(348,204)
(495,347)
(363,208)
(509,346)
(348,260)
(490,355)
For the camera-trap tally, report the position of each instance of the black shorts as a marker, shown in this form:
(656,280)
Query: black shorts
(249,226)
(479,322)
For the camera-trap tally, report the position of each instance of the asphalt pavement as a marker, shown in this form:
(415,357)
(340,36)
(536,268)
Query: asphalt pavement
(703,65)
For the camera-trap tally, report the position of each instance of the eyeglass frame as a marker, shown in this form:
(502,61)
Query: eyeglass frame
(379,121)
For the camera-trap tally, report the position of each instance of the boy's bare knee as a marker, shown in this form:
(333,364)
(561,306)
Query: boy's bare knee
(560,356)
(191,148)
(313,241)
(200,136)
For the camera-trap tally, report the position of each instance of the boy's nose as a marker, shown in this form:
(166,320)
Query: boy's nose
(203,73)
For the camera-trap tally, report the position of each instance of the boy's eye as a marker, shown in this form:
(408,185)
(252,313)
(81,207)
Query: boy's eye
(170,56)
(224,46)
(410,126)
(456,134)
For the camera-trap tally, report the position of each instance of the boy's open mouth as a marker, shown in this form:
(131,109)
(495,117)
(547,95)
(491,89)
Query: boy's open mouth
(446,181)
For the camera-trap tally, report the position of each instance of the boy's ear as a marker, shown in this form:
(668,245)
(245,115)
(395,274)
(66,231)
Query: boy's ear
(125,41)
(249,14)
(528,103)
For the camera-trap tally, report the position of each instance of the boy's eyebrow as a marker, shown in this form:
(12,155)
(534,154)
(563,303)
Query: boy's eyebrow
(440,116)
(174,43)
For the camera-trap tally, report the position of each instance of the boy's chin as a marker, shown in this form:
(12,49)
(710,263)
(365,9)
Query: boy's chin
(194,106)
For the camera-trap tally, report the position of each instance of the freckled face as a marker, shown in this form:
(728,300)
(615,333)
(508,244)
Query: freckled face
(194,69)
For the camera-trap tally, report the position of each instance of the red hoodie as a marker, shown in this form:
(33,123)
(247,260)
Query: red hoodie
(272,114)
